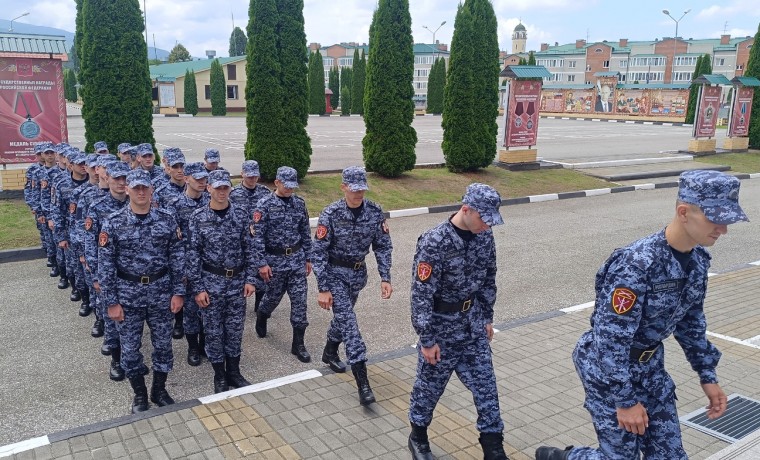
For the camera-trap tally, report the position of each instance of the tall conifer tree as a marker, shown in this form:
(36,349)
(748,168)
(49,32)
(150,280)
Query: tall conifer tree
(753,70)
(191,93)
(691,106)
(357,83)
(218,90)
(316,84)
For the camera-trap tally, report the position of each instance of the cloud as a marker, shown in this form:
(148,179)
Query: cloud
(510,5)
(50,13)
(710,11)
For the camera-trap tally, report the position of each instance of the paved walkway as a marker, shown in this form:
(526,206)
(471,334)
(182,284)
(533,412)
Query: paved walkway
(316,415)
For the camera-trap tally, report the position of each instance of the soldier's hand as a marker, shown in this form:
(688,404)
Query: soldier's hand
(116,313)
(386,290)
(41,219)
(81,260)
(718,400)
(633,419)
(325,300)
(176,303)
(248,290)
(63,245)
(432,354)
(489,331)
(51,225)
(265,272)
(202,299)
(308,268)
(96,285)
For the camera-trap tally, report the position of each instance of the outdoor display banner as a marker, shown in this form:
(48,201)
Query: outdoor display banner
(628,102)
(166,95)
(605,95)
(522,123)
(707,111)
(741,111)
(32,107)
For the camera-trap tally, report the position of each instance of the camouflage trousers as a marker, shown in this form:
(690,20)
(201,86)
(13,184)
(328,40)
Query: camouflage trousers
(191,320)
(223,324)
(74,267)
(159,318)
(47,240)
(344,327)
(294,283)
(471,360)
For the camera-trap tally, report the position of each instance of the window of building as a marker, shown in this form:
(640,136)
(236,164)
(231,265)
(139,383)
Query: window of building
(551,62)
(606,64)
(623,64)
(346,61)
(648,61)
(207,92)
(231,72)
(740,67)
(647,77)
(682,76)
(588,68)
(232,91)
(571,78)
(421,72)
(598,50)
(420,85)
(622,78)
(720,62)
(571,64)
(328,61)
(423,59)
(686,60)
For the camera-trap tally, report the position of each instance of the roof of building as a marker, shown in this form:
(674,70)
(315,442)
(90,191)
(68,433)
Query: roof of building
(607,74)
(178,69)
(520,28)
(32,43)
(713,79)
(653,85)
(571,48)
(525,71)
(746,81)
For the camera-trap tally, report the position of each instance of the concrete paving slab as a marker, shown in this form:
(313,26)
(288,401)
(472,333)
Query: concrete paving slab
(651,170)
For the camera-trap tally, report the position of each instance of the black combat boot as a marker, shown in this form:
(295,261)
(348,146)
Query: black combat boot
(493,446)
(261,324)
(298,348)
(158,394)
(366,397)
(75,296)
(418,443)
(331,358)
(257,299)
(63,283)
(220,378)
(179,331)
(97,328)
(85,309)
(234,378)
(140,401)
(117,373)
(105,350)
(50,263)
(54,268)
(193,354)
(202,342)
(553,453)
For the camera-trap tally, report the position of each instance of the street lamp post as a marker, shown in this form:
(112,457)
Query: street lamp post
(433,32)
(17,17)
(675,43)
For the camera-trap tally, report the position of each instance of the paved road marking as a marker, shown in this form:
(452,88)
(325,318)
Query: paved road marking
(734,340)
(274,383)
(29,444)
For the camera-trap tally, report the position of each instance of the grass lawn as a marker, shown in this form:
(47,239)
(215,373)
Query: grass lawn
(748,162)
(17,227)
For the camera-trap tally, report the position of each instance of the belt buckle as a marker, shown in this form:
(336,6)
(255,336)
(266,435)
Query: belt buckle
(288,251)
(145,279)
(466,305)
(647,355)
(358,265)
(229,272)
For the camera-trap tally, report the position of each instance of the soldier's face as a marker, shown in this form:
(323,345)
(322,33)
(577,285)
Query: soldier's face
(140,195)
(700,229)
(281,189)
(177,173)
(473,221)
(48,157)
(353,199)
(78,169)
(117,185)
(147,161)
(197,185)
(126,157)
(219,195)
(250,182)
(212,166)
(93,172)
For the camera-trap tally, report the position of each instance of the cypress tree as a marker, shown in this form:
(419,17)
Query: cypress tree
(78,37)
(238,42)
(316,84)
(462,147)
(531,59)
(333,82)
(179,54)
(357,83)
(522,61)
(345,101)
(263,93)
(69,85)
(753,70)
(691,107)
(706,64)
(390,139)
(218,90)
(291,39)
(346,78)
(485,77)
(191,93)
(436,85)
(117,87)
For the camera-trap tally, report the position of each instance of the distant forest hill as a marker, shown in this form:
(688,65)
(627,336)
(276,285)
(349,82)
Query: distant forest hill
(21,28)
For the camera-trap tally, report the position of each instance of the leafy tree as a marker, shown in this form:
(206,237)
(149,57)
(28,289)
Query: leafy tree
(753,70)
(436,85)
(291,44)
(357,83)
(154,62)
(461,145)
(116,83)
(179,54)
(70,85)
(218,90)
(390,139)
(531,59)
(191,93)
(238,42)
(333,82)
(691,107)
(316,84)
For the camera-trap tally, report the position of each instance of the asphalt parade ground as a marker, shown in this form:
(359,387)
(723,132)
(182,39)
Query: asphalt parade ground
(56,399)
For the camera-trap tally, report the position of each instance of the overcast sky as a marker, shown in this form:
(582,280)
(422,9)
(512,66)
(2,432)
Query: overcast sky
(206,24)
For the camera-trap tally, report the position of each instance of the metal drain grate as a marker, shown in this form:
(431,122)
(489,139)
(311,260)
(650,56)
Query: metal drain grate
(741,418)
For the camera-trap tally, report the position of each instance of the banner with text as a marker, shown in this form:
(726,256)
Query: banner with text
(742,111)
(32,107)
(707,112)
(522,123)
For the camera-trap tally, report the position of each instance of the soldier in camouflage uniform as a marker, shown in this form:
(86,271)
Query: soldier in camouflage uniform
(346,231)
(97,214)
(453,296)
(645,292)
(283,245)
(124,152)
(182,208)
(246,195)
(55,174)
(32,192)
(212,159)
(81,197)
(221,274)
(141,269)
(41,205)
(146,159)
(101,147)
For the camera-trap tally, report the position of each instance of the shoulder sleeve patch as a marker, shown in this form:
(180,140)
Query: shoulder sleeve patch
(623,300)
(256,216)
(103,239)
(384,227)
(321,232)
(88,223)
(424,271)
(72,208)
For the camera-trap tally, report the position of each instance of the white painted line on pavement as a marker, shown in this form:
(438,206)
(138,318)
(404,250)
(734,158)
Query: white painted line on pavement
(644,186)
(754,340)
(667,124)
(565,118)
(612,121)
(755,263)
(408,212)
(733,340)
(648,123)
(596,119)
(29,444)
(288,379)
(754,176)
(710,275)
(598,191)
(629,122)
(540,198)
(575,308)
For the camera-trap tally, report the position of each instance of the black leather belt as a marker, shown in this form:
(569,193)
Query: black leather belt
(225,272)
(356,265)
(283,251)
(142,279)
(643,355)
(451,307)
